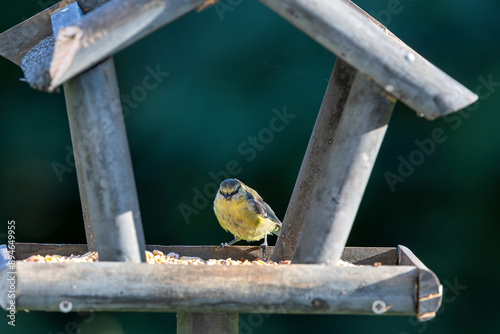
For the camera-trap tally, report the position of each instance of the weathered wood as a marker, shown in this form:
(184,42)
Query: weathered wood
(207,323)
(108,29)
(103,164)
(315,289)
(102,155)
(346,30)
(430,292)
(348,164)
(314,161)
(350,287)
(60,19)
(386,256)
(26,249)
(15,42)
(356,255)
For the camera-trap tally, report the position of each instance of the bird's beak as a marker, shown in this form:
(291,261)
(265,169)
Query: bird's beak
(227,196)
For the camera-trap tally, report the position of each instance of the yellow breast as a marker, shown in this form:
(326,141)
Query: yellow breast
(238,217)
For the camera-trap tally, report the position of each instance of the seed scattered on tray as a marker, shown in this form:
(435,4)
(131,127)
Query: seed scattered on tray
(157,256)
(153,257)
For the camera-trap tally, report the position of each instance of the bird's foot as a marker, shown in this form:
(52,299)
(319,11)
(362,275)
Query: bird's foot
(264,245)
(223,244)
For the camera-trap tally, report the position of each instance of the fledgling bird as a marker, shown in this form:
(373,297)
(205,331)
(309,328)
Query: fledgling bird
(242,212)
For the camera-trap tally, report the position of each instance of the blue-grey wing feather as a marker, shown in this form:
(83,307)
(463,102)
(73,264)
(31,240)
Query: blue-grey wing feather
(263,209)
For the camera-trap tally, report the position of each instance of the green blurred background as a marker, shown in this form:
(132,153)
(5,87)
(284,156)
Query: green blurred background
(228,70)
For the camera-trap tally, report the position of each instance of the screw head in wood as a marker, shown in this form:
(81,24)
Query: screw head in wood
(379,307)
(65,306)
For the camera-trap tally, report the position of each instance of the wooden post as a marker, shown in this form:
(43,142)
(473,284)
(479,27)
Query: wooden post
(348,164)
(314,161)
(207,323)
(102,159)
(350,33)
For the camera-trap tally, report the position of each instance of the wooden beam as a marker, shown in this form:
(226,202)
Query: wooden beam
(350,33)
(103,165)
(15,42)
(309,277)
(348,163)
(311,289)
(430,292)
(107,30)
(102,158)
(322,136)
(355,255)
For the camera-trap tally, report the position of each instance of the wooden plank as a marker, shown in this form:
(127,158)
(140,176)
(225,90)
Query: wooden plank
(106,178)
(430,290)
(25,249)
(357,255)
(15,42)
(312,289)
(386,256)
(351,34)
(207,323)
(314,161)
(102,159)
(65,16)
(109,29)
(348,164)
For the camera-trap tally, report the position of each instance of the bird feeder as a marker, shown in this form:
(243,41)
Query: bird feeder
(72,44)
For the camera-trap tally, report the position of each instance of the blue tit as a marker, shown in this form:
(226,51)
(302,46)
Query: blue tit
(242,212)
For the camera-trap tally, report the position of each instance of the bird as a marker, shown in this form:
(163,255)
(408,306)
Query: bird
(241,211)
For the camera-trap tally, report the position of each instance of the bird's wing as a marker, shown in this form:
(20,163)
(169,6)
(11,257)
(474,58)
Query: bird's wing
(271,215)
(261,207)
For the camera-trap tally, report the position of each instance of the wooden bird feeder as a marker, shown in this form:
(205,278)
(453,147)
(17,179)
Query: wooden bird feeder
(72,44)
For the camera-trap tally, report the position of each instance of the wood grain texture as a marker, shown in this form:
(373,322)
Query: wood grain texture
(102,159)
(60,19)
(103,164)
(315,289)
(349,285)
(430,291)
(351,34)
(348,163)
(108,29)
(314,162)
(15,42)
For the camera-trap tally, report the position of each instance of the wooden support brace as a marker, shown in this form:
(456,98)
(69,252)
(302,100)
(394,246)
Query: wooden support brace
(348,163)
(102,158)
(352,34)
(430,292)
(108,29)
(18,40)
(314,161)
